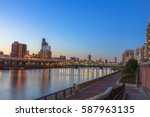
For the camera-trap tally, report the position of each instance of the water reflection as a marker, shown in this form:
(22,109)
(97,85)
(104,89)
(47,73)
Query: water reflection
(17,81)
(34,83)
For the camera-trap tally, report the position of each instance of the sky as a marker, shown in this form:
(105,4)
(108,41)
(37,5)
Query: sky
(102,28)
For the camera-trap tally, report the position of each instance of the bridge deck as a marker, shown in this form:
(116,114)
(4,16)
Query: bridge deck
(98,88)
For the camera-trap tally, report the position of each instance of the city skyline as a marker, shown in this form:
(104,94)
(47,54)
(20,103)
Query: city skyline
(75,28)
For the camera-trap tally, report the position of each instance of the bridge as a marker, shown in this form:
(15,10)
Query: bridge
(22,63)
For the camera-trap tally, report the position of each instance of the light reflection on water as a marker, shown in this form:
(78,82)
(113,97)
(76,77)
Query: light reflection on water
(34,83)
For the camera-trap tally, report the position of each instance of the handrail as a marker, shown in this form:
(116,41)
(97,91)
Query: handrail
(72,90)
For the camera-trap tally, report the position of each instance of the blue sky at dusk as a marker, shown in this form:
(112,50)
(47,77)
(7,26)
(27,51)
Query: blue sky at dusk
(102,28)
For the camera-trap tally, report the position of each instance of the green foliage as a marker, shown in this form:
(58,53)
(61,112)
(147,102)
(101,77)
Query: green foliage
(130,68)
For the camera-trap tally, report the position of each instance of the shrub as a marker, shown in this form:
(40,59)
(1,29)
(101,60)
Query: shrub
(129,71)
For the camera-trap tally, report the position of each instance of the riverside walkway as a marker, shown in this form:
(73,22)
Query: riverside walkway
(135,93)
(99,87)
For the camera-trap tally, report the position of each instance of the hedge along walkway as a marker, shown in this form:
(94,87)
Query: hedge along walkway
(98,88)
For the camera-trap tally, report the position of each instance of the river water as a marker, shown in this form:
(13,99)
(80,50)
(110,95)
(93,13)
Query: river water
(35,83)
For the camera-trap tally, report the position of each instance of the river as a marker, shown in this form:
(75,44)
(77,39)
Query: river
(34,83)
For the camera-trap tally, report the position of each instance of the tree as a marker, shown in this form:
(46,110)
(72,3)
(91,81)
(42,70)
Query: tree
(129,70)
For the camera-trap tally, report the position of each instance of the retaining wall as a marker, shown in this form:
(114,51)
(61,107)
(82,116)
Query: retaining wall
(144,74)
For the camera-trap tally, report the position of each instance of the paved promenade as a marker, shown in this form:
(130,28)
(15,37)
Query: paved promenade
(132,92)
(135,93)
(98,88)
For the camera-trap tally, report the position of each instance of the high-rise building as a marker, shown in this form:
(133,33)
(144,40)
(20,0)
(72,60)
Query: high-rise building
(14,49)
(22,50)
(89,57)
(128,54)
(105,61)
(18,50)
(45,52)
(100,60)
(115,59)
(145,52)
(139,54)
(148,41)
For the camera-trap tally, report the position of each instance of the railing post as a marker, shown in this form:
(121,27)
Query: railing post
(56,96)
(64,94)
(71,90)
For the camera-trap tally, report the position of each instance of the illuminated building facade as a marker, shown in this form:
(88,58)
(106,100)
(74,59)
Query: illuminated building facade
(148,42)
(18,50)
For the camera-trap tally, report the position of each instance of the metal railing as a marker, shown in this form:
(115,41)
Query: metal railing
(111,94)
(72,90)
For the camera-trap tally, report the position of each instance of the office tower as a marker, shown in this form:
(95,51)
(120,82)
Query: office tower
(115,59)
(105,61)
(89,57)
(14,49)
(45,52)
(22,50)
(18,50)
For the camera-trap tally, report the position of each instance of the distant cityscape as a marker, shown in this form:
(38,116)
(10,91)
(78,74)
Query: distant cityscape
(19,50)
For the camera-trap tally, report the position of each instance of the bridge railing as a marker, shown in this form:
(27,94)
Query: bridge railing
(72,90)
(111,94)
